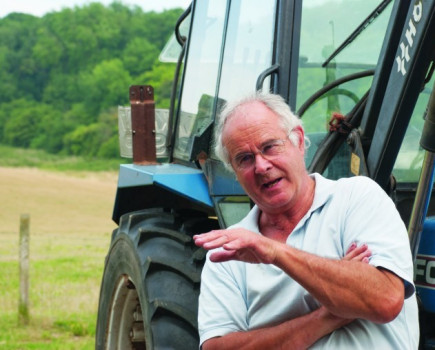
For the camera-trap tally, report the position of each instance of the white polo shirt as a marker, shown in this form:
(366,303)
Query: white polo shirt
(237,296)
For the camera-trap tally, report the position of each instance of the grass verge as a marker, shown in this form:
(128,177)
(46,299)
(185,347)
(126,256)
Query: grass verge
(65,275)
(70,230)
(19,157)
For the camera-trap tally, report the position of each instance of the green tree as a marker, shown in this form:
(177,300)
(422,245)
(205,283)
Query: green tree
(27,121)
(18,35)
(106,86)
(89,139)
(62,75)
(139,56)
(160,77)
(8,87)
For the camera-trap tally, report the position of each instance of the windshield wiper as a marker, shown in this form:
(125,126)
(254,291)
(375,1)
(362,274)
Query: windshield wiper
(376,12)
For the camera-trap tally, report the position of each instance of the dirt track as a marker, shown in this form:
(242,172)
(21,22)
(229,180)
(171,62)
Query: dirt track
(57,203)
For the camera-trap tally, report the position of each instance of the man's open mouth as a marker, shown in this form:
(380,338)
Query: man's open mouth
(271,183)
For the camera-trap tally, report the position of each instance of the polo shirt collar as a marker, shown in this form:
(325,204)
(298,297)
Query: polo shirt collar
(323,191)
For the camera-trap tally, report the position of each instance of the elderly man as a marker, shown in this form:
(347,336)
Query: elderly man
(281,279)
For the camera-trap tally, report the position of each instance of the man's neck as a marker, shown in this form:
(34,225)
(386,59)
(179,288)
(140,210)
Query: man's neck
(278,226)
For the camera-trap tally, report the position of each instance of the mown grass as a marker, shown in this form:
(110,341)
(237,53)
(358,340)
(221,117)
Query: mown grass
(66,256)
(65,275)
(18,157)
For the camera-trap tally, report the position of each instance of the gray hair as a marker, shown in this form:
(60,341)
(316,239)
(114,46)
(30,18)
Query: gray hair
(288,120)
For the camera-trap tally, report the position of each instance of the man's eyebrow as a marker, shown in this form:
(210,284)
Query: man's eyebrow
(264,143)
(240,154)
(268,141)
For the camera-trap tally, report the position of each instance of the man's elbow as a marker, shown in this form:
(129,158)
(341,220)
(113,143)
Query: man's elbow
(391,298)
(389,308)
(212,343)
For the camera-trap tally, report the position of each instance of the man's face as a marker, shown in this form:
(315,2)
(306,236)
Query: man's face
(274,183)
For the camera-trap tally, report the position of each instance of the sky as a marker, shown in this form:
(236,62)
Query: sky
(41,7)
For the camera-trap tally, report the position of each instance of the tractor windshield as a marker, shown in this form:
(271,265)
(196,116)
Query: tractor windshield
(232,42)
(338,39)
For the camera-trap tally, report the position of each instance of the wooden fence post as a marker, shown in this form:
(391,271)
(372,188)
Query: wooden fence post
(23,306)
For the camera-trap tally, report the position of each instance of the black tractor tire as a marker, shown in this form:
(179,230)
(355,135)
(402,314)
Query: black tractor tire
(151,280)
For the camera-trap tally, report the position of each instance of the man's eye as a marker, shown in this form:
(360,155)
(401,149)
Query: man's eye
(245,159)
(270,148)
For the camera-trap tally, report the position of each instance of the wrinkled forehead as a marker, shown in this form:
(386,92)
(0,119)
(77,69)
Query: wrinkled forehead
(252,119)
(249,109)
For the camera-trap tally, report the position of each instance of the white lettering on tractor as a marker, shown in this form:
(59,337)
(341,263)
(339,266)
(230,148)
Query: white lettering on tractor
(424,271)
(430,265)
(403,58)
(410,33)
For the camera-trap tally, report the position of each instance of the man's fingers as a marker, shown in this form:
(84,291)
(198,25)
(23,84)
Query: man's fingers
(219,238)
(213,238)
(213,244)
(351,248)
(359,253)
(222,255)
(237,244)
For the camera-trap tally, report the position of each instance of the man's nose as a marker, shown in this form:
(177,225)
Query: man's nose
(261,164)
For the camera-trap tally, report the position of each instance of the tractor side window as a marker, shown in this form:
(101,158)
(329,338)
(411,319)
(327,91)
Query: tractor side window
(201,72)
(248,46)
(326,26)
(407,167)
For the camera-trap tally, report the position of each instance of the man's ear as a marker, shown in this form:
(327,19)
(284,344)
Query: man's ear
(298,131)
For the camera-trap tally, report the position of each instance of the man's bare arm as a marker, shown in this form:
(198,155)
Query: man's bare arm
(346,288)
(299,333)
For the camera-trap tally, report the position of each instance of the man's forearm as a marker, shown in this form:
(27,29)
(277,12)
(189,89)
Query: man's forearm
(298,333)
(346,288)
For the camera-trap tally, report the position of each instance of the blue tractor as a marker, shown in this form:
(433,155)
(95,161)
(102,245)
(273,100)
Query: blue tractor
(360,75)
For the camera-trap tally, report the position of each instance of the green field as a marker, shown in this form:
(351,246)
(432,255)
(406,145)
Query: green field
(65,274)
(70,229)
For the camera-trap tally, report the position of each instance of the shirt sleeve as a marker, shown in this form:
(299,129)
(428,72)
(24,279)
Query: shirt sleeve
(372,218)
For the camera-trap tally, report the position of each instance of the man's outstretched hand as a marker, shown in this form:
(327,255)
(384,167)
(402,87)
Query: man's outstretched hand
(238,244)
(243,245)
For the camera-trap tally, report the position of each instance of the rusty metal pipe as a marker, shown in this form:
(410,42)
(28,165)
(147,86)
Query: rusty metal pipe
(143,124)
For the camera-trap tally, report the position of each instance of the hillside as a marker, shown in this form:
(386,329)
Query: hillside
(58,203)
(62,76)
(70,230)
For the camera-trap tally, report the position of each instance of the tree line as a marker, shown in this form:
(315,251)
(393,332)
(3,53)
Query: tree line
(63,75)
